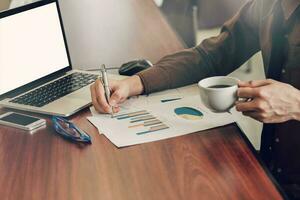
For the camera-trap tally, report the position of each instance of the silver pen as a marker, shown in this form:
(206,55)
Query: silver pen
(106,87)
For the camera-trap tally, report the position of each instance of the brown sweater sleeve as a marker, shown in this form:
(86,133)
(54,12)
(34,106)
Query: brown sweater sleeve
(220,55)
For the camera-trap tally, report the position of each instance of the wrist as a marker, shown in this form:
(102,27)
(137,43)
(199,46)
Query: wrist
(297,114)
(136,86)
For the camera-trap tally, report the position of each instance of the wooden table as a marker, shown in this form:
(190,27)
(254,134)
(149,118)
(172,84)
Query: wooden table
(214,164)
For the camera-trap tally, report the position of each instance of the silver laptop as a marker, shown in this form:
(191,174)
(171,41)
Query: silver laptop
(35,68)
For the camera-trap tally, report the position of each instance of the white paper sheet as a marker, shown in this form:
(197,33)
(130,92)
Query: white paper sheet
(129,131)
(246,124)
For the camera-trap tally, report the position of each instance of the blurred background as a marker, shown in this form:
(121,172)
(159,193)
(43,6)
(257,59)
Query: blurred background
(194,21)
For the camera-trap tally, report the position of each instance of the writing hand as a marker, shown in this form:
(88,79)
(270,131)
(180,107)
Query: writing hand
(120,91)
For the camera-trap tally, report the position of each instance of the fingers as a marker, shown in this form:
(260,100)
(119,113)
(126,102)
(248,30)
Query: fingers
(116,109)
(247,92)
(254,105)
(256,109)
(260,116)
(98,97)
(99,100)
(94,99)
(252,92)
(253,114)
(245,106)
(251,89)
(119,93)
(255,83)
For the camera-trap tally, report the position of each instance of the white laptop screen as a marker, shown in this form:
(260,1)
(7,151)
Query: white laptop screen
(31,46)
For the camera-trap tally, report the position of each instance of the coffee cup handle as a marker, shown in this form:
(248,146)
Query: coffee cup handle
(245,99)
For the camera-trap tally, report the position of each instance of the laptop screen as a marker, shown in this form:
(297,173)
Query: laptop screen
(32,46)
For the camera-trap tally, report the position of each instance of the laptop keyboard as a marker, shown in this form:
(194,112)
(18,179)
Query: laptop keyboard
(55,90)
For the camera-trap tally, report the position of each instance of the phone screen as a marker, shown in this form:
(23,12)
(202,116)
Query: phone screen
(19,119)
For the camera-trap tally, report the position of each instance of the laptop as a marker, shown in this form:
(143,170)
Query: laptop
(36,73)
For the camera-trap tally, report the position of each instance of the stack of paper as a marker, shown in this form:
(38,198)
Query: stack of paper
(157,117)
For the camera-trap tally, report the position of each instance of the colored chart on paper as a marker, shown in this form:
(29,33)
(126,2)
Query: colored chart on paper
(142,121)
(189,113)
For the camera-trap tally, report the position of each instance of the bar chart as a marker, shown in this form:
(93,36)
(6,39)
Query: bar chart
(158,121)
(142,121)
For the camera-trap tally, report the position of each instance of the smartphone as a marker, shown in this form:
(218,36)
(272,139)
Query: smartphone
(21,121)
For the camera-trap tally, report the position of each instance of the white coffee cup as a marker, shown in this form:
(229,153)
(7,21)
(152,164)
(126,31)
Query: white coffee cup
(218,93)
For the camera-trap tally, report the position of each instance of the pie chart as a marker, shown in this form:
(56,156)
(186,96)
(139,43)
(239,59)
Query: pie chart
(189,113)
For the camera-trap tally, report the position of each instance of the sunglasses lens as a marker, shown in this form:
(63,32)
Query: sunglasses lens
(68,129)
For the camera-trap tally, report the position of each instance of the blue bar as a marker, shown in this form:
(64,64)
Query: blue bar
(145,132)
(168,100)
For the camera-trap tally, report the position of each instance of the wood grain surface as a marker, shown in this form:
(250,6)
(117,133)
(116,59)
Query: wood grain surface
(214,164)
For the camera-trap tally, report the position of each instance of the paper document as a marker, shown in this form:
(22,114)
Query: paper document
(158,120)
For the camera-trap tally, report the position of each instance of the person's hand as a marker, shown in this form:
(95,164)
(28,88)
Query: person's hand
(270,101)
(120,91)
